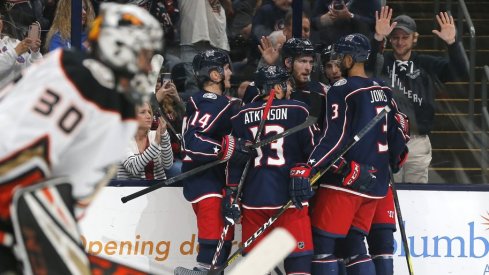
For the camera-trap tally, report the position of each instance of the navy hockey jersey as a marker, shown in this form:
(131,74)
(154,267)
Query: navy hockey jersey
(207,121)
(267,182)
(303,95)
(351,104)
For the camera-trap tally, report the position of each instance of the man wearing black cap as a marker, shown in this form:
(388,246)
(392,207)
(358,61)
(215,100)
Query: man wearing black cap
(413,76)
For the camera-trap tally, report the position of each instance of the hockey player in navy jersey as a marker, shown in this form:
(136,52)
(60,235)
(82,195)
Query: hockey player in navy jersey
(346,200)
(206,129)
(381,236)
(62,124)
(298,58)
(266,187)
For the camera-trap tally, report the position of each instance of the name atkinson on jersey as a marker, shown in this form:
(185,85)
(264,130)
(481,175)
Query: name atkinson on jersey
(273,114)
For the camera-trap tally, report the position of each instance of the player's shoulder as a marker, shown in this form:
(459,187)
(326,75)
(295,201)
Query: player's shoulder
(211,101)
(94,81)
(316,87)
(251,93)
(293,105)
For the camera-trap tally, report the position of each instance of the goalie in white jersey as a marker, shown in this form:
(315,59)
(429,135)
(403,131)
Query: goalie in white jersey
(69,116)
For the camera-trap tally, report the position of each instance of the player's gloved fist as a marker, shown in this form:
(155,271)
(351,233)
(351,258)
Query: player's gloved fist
(231,211)
(356,176)
(236,150)
(300,188)
(403,124)
(396,164)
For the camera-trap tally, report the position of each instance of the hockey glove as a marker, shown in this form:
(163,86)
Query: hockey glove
(396,164)
(356,176)
(403,124)
(300,188)
(231,211)
(236,151)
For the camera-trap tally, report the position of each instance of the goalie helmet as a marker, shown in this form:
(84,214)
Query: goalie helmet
(356,45)
(296,47)
(267,77)
(121,35)
(207,61)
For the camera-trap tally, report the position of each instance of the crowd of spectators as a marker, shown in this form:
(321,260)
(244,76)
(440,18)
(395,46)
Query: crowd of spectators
(251,31)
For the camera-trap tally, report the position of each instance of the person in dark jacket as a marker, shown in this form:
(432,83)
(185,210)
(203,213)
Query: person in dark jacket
(415,77)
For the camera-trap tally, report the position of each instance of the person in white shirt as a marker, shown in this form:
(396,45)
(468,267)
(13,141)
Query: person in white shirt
(15,55)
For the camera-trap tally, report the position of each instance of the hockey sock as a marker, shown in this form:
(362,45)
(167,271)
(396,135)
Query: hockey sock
(384,265)
(324,264)
(381,247)
(298,265)
(360,265)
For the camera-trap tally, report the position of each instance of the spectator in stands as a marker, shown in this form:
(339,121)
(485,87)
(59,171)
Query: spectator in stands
(59,35)
(271,45)
(414,76)
(336,18)
(173,108)
(25,12)
(15,55)
(202,27)
(149,153)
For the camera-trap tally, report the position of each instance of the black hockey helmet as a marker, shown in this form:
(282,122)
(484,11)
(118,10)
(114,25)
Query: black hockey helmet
(296,47)
(268,76)
(326,54)
(357,45)
(206,61)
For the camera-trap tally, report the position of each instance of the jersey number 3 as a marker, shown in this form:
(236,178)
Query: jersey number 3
(70,117)
(277,146)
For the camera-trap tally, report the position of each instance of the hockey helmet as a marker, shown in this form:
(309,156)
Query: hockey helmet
(356,45)
(267,77)
(296,47)
(326,54)
(207,61)
(121,34)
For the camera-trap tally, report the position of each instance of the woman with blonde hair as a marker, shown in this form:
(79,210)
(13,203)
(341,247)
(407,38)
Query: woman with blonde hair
(59,35)
(150,152)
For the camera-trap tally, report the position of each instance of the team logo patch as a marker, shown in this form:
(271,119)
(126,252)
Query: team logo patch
(340,82)
(210,96)
(301,245)
(414,74)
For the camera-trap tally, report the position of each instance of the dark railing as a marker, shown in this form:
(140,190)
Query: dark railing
(464,16)
(484,123)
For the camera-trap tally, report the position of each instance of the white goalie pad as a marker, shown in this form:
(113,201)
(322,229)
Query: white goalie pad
(48,240)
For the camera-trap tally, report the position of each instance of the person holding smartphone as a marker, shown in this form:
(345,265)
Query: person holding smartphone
(16,55)
(332,19)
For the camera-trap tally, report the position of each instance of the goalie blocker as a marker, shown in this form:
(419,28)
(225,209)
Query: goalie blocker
(48,240)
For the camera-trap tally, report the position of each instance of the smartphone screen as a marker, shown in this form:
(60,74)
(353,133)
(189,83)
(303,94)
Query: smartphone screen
(34,31)
(165,78)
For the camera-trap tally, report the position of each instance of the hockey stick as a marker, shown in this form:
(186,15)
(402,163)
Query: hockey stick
(159,111)
(156,64)
(268,253)
(309,122)
(272,219)
(401,226)
(264,116)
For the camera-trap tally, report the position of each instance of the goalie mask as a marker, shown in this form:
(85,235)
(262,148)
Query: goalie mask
(125,37)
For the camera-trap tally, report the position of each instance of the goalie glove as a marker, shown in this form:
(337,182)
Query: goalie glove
(300,188)
(356,176)
(231,211)
(235,150)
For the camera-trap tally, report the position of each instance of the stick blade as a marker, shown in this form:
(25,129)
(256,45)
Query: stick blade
(267,254)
